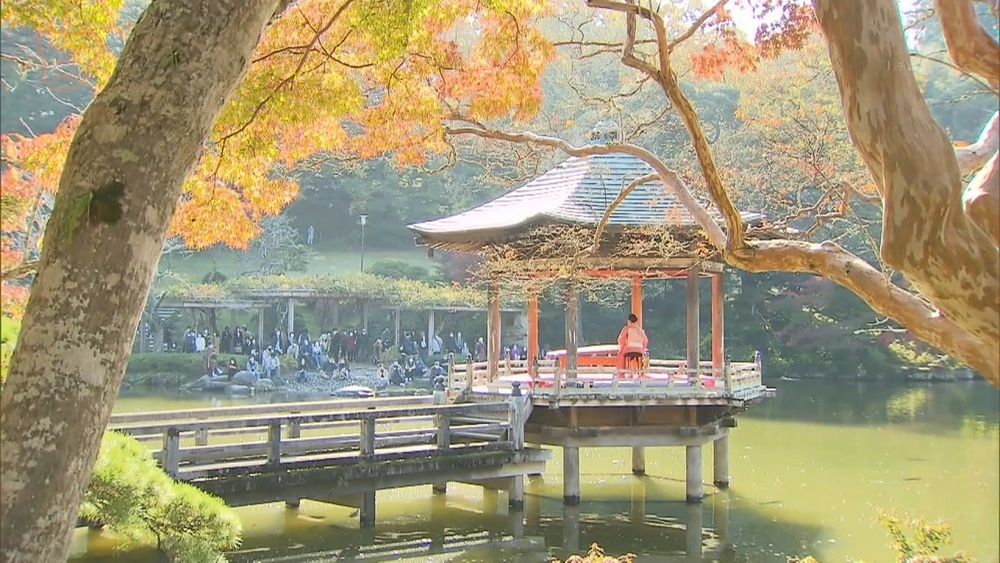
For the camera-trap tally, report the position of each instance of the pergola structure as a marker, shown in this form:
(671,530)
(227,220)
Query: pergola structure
(262,299)
(558,227)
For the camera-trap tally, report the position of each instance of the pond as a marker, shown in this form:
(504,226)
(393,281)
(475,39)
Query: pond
(810,470)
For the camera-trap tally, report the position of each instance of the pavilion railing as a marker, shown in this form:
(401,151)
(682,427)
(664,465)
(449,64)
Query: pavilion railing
(741,380)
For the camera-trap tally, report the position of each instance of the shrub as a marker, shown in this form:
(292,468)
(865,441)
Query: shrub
(398,270)
(167,363)
(134,498)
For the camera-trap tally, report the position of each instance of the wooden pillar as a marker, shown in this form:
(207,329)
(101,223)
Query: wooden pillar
(260,328)
(637,298)
(364,314)
(693,329)
(399,313)
(638,461)
(694,488)
(718,325)
(532,331)
(720,461)
(572,328)
(335,313)
(291,315)
(232,322)
(367,511)
(493,329)
(571,476)
(430,329)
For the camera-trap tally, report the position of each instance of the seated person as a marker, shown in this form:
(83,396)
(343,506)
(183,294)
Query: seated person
(300,376)
(632,344)
(232,368)
(396,376)
(382,377)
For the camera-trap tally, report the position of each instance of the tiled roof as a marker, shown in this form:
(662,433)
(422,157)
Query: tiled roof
(577,191)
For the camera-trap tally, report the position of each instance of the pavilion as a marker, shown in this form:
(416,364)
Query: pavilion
(545,230)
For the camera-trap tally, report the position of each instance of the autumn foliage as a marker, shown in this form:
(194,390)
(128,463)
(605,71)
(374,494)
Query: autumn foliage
(332,79)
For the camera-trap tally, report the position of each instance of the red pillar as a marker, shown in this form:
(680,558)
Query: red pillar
(637,298)
(532,331)
(718,351)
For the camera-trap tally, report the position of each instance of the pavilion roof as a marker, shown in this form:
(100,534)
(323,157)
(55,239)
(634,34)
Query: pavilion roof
(577,191)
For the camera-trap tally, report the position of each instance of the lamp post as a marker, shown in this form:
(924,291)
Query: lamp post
(363,220)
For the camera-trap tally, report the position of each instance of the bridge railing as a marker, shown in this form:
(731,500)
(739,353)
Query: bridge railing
(740,380)
(498,425)
(185,415)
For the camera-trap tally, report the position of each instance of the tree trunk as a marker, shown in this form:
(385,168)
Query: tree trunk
(925,233)
(136,144)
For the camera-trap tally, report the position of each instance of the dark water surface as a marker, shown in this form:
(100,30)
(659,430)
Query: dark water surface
(810,470)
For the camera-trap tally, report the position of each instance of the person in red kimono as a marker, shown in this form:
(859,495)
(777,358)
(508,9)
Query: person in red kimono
(632,345)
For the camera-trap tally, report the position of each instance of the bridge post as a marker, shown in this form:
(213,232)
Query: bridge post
(720,460)
(294,428)
(470,374)
(367,509)
(517,416)
(728,370)
(201,437)
(171,451)
(638,461)
(368,437)
(443,423)
(274,444)
(693,487)
(571,476)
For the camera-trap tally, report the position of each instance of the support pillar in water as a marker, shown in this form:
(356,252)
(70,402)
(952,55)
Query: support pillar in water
(694,488)
(571,476)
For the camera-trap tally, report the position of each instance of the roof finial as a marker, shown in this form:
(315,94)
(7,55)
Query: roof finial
(604,132)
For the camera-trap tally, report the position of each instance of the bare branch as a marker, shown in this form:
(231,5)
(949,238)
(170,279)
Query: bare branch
(696,25)
(618,201)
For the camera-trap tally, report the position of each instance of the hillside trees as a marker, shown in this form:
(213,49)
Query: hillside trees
(936,231)
(349,76)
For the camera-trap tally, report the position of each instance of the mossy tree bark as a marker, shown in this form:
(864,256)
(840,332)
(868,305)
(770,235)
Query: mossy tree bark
(136,144)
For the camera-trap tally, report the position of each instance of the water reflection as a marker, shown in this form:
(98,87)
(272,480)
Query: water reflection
(809,467)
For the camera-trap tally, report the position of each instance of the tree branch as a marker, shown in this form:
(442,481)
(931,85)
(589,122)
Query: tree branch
(833,262)
(618,201)
(972,157)
(970,46)
(19,271)
(696,25)
(670,178)
(667,79)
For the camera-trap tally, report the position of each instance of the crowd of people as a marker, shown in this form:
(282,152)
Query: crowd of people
(416,357)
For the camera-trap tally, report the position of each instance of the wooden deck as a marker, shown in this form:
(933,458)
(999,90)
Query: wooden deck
(659,380)
(337,451)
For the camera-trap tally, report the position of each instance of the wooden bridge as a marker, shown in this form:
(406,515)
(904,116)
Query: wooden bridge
(341,451)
